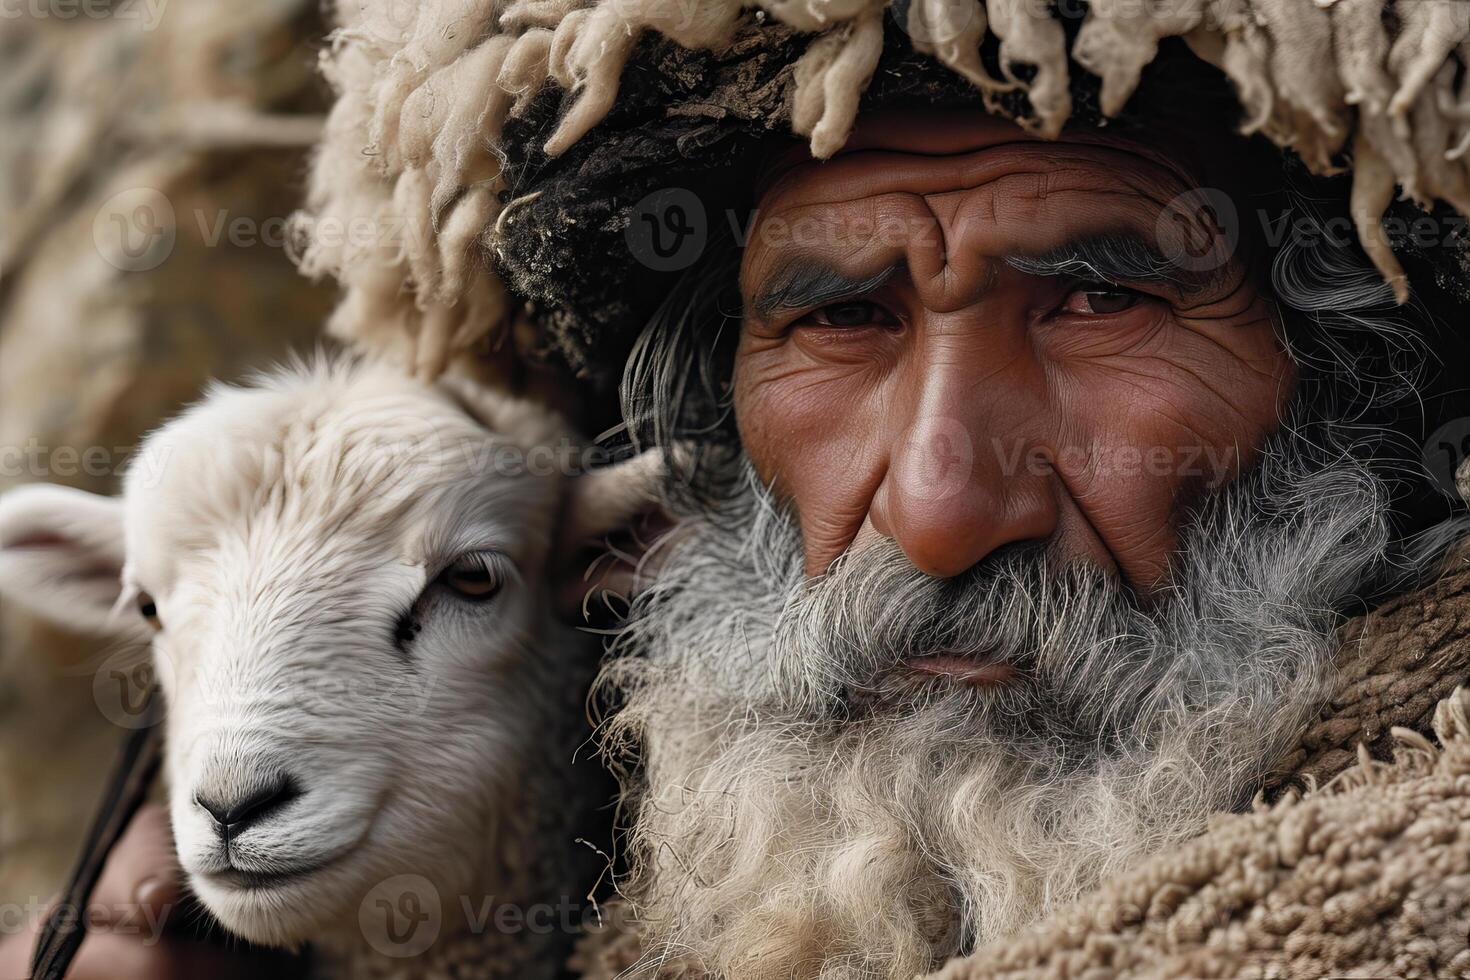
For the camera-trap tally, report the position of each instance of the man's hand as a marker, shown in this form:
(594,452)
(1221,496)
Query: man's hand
(135,925)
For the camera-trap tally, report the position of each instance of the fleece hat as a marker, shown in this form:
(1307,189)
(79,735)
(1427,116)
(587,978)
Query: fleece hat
(497,169)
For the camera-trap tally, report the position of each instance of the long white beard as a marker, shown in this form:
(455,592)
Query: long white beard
(799,809)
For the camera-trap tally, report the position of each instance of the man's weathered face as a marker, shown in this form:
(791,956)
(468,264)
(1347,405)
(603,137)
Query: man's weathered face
(874,729)
(959,338)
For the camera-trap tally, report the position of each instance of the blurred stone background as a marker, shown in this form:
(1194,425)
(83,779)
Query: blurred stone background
(151,152)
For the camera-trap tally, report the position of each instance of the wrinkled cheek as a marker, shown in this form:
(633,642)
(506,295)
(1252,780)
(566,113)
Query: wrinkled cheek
(1130,504)
(1141,465)
(818,443)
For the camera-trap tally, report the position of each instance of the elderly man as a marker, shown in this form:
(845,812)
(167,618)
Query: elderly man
(1037,462)
(1039,509)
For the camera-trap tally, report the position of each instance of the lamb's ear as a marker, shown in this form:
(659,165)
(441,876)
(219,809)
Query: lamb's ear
(613,516)
(608,500)
(61,556)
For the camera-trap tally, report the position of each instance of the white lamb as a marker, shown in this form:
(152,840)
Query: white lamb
(371,708)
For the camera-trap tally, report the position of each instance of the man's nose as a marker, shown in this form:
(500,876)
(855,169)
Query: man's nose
(955,492)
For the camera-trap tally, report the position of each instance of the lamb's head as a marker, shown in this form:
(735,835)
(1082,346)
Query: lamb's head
(342,572)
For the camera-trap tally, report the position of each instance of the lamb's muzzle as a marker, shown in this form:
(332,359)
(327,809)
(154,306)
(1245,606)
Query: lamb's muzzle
(234,813)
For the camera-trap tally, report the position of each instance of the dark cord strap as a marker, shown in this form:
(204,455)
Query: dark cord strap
(136,766)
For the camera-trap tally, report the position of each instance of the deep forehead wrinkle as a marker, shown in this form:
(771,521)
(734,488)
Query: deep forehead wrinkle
(854,176)
(903,217)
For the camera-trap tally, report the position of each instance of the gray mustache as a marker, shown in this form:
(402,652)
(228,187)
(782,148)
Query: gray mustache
(873,613)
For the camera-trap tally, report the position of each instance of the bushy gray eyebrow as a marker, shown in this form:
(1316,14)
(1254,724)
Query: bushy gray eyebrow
(1111,259)
(805,285)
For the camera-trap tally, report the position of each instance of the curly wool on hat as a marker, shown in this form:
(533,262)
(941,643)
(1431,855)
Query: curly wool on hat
(477,143)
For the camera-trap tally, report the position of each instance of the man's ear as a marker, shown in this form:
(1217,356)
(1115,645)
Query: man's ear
(613,517)
(61,556)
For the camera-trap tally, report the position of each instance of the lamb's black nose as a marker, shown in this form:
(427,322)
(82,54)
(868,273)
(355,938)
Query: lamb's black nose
(231,817)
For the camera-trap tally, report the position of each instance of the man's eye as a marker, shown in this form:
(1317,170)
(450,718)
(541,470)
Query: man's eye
(853,313)
(1100,299)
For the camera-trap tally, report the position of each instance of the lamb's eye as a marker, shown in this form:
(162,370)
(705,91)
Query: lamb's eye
(476,576)
(148,609)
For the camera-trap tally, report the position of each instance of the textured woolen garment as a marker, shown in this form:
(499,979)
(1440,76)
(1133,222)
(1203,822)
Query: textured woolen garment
(1368,877)
(1355,861)
(477,143)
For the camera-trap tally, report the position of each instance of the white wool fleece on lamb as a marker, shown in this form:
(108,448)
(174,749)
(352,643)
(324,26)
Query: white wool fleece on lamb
(407,192)
(801,808)
(289,534)
(347,580)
